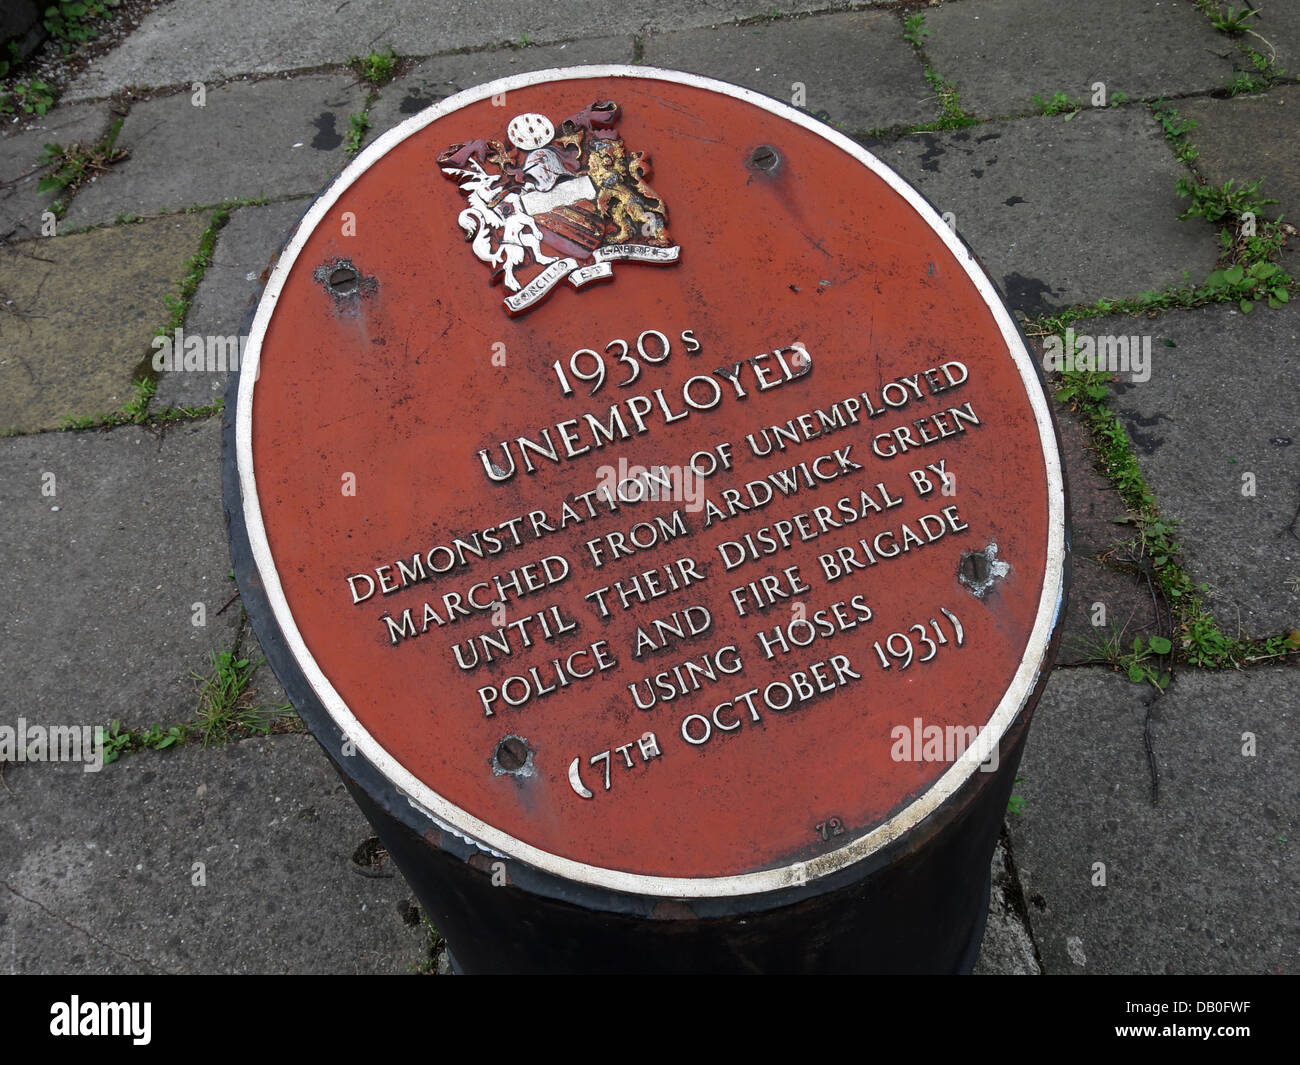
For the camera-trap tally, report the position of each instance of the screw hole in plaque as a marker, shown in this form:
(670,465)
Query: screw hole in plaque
(765,158)
(513,756)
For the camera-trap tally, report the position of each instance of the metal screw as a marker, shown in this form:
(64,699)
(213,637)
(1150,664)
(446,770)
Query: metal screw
(765,157)
(975,568)
(512,754)
(343,279)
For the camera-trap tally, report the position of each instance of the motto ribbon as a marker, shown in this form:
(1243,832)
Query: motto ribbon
(540,287)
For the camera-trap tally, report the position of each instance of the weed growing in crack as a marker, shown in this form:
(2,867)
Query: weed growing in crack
(1265,74)
(954,117)
(76,164)
(1058,104)
(1249,244)
(226,708)
(914,29)
(376,68)
(119,741)
(1216,202)
(1177,130)
(358,125)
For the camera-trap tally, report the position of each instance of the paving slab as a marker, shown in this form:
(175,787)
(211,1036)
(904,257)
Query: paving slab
(22,166)
(275,137)
(1216,431)
(1251,137)
(1053,219)
(244,249)
(78,313)
(443,76)
(1279,25)
(103,576)
(233,859)
(855,68)
(193,39)
(999,53)
(1108,605)
(1204,880)
(21,146)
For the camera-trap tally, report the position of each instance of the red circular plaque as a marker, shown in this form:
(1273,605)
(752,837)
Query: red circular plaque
(649,483)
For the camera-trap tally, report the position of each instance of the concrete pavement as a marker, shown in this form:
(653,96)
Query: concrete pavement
(248,856)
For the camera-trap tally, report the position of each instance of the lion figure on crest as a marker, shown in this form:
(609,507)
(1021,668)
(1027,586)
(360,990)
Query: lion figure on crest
(623,197)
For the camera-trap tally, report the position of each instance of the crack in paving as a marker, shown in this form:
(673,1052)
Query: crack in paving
(1149,745)
(1290,526)
(88,934)
(1013,892)
(1164,621)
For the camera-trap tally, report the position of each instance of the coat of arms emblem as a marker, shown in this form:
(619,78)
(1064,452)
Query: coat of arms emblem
(547,204)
